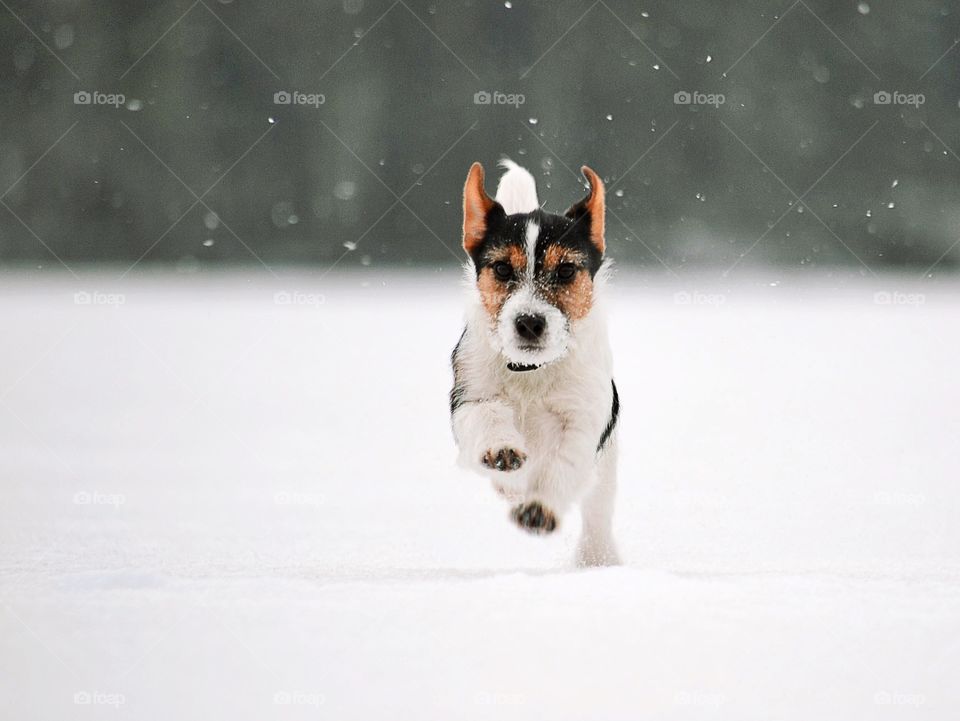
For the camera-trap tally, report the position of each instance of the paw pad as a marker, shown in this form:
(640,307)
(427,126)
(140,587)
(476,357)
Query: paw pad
(533,517)
(504,459)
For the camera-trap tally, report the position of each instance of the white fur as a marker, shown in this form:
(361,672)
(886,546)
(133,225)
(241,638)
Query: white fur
(517,190)
(556,337)
(533,232)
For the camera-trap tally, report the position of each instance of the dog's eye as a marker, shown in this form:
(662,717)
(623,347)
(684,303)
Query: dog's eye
(566,271)
(503,270)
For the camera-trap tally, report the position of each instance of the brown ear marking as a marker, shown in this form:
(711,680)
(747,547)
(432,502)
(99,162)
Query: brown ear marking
(594,205)
(476,205)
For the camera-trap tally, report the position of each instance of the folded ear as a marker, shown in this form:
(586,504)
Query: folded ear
(476,209)
(591,208)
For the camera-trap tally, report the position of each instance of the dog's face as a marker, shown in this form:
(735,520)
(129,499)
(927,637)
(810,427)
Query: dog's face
(534,271)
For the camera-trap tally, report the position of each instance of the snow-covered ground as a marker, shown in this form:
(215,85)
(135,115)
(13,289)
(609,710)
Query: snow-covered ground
(218,502)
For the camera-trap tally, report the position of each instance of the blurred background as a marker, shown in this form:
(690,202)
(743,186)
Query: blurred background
(337,134)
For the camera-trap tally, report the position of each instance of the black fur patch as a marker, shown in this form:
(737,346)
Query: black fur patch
(614,413)
(503,230)
(458,390)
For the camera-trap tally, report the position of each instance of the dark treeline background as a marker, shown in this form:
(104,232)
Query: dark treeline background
(690,184)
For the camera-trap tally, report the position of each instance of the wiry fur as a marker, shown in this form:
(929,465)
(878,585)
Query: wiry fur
(546,437)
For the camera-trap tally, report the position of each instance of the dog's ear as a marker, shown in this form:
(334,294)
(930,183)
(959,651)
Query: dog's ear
(591,209)
(477,206)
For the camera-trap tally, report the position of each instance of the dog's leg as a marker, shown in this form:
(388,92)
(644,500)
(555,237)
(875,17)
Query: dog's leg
(488,439)
(596,547)
(564,468)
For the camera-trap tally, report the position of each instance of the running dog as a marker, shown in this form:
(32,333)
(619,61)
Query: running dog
(534,406)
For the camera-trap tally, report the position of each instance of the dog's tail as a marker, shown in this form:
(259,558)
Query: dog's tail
(517,190)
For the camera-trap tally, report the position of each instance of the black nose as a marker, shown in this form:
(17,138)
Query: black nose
(530,327)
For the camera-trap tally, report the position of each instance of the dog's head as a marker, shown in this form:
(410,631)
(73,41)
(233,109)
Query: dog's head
(535,271)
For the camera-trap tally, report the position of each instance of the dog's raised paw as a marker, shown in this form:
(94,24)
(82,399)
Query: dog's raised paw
(503,459)
(534,518)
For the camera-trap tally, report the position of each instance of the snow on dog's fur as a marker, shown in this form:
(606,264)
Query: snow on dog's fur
(533,403)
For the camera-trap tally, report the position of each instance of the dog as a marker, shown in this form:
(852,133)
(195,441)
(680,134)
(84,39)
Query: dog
(533,404)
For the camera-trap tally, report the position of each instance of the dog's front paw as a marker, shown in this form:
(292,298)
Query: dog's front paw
(534,518)
(503,459)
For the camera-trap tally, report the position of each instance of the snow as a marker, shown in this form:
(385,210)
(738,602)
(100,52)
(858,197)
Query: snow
(235,497)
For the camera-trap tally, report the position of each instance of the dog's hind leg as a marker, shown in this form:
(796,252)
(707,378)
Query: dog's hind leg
(596,547)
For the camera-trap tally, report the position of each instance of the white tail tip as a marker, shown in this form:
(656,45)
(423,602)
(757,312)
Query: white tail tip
(517,190)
